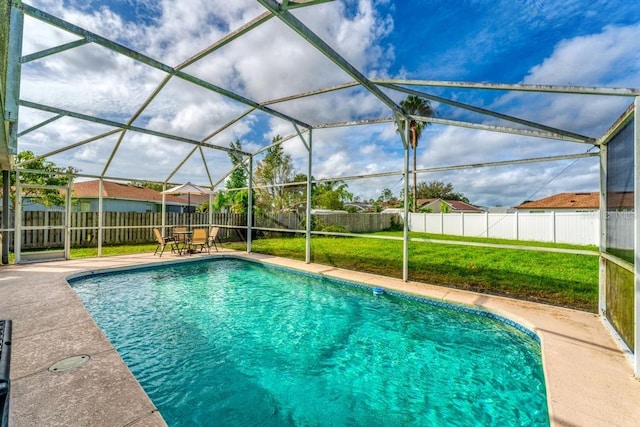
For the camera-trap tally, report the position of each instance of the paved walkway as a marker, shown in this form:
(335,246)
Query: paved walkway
(589,380)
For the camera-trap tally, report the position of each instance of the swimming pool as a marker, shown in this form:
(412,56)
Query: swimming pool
(232,342)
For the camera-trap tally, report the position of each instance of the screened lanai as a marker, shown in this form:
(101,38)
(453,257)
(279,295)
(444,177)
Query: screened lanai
(172,119)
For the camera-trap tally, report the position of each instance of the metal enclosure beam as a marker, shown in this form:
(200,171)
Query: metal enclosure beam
(137,56)
(636,240)
(309,188)
(581,90)
(405,234)
(5,217)
(67,220)
(297,26)
(101,214)
(571,135)
(53,50)
(602,265)
(119,125)
(250,206)
(11,89)
(17,218)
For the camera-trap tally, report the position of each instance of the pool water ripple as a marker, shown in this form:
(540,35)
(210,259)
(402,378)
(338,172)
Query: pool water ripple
(229,342)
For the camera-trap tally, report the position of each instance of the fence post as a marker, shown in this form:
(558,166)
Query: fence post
(462,222)
(553,225)
(46,224)
(517,226)
(486,222)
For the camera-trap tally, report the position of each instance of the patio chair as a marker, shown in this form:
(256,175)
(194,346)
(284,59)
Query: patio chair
(164,241)
(213,235)
(199,238)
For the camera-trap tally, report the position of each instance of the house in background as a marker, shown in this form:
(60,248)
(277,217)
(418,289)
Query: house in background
(117,197)
(446,206)
(563,202)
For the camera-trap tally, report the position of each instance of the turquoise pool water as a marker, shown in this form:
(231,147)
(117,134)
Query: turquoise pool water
(234,343)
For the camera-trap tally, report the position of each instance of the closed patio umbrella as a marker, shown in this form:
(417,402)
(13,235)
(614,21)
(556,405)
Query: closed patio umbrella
(188,189)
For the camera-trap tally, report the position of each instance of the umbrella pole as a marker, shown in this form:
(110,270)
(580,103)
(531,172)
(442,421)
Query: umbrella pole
(189,210)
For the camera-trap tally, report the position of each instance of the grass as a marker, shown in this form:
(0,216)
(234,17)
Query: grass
(110,250)
(561,279)
(567,280)
(492,241)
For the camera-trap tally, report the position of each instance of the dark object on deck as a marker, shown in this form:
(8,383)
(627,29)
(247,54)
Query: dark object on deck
(5,359)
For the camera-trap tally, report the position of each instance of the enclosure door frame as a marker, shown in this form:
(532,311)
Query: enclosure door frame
(65,253)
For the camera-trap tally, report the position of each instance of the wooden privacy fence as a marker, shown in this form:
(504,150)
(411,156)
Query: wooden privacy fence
(352,222)
(46,229)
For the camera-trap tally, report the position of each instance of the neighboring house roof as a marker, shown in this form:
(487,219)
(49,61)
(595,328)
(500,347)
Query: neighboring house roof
(565,201)
(116,190)
(455,205)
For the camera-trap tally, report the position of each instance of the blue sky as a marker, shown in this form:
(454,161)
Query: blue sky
(495,41)
(592,43)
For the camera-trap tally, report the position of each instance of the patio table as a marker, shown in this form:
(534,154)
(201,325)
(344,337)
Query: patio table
(182,238)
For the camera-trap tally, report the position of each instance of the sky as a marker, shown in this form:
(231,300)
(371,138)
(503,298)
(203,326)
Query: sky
(570,42)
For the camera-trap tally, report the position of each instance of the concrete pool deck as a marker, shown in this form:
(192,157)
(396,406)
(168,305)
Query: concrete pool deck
(589,379)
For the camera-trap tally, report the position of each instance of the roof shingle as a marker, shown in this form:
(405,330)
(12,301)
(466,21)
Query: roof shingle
(115,190)
(565,201)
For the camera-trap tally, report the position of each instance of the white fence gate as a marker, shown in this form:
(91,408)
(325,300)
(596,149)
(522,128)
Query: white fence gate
(579,228)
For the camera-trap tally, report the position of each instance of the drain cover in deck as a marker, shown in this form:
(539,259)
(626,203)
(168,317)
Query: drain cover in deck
(69,363)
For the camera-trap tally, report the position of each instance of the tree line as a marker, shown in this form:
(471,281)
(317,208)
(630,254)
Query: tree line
(278,187)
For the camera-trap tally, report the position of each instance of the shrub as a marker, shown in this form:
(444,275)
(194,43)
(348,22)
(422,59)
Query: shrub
(396,224)
(335,228)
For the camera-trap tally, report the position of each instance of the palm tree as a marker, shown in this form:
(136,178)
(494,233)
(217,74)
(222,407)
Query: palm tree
(415,106)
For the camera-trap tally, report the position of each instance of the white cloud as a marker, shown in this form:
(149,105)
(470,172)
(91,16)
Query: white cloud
(271,62)
(607,58)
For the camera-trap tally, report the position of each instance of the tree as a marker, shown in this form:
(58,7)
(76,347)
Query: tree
(55,176)
(416,107)
(274,170)
(237,200)
(298,193)
(387,198)
(238,177)
(332,195)
(386,195)
(438,190)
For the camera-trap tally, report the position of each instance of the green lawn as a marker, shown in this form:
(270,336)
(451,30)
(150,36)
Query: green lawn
(567,280)
(562,279)
(114,250)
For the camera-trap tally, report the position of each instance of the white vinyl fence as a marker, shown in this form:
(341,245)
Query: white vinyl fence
(580,228)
